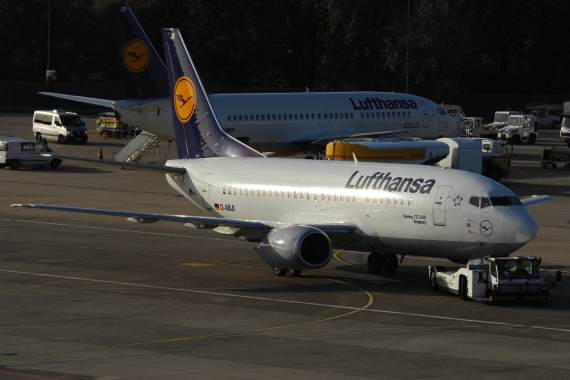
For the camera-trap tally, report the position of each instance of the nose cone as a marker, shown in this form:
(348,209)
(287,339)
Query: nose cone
(519,226)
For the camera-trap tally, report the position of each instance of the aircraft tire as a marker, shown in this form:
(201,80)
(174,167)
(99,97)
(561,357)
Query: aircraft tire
(280,271)
(375,262)
(294,272)
(390,263)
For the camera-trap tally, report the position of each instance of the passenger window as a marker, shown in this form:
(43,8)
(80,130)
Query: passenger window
(301,116)
(235,118)
(240,118)
(362,115)
(398,114)
(351,115)
(279,117)
(485,202)
(256,117)
(325,115)
(346,115)
(319,116)
(474,201)
(245,118)
(372,114)
(367,115)
(307,116)
(262,117)
(290,117)
(229,118)
(312,116)
(250,117)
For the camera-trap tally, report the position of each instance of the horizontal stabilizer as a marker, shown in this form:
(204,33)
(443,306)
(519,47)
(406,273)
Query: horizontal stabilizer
(535,199)
(82,99)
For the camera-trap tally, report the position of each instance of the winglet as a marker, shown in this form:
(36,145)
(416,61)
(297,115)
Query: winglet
(198,132)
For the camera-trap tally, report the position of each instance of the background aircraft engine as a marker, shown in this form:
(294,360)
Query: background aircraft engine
(295,247)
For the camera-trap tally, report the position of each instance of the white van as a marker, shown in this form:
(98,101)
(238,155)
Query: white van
(60,126)
(15,152)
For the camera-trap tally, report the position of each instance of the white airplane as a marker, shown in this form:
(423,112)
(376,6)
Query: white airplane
(299,210)
(282,122)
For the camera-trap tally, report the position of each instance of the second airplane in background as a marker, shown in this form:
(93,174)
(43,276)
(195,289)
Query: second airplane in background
(278,122)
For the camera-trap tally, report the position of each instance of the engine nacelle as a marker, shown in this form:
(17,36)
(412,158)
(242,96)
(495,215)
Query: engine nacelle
(295,247)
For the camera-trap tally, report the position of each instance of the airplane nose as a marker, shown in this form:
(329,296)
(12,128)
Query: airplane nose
(519,226)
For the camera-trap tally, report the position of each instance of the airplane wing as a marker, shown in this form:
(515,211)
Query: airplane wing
(134,165)
(146,217)
(535,199)
(326,139)
(82,99)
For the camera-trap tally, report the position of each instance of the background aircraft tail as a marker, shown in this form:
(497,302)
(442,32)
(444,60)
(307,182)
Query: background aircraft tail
(198,132)
(142,70)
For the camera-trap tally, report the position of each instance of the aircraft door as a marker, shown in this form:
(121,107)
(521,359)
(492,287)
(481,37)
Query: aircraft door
(440,205)
(206,191)
(425,111)
(325,117)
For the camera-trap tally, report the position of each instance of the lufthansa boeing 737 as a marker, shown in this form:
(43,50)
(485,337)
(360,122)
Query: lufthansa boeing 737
(277,122)
(299,210)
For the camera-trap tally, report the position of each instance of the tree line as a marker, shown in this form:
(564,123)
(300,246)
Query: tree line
(435,47)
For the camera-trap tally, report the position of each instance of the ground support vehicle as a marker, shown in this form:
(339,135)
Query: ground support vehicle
(545,115)
(15,152)
(565,125)
(496,279)
(501,120)
(496,159)
(60,126)
(551,156)
(109,126)
(472,127)
(520,128)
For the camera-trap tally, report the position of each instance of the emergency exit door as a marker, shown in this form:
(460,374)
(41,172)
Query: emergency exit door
(440,205)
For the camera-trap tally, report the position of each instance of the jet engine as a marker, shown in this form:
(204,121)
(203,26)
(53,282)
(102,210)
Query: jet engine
(295,247)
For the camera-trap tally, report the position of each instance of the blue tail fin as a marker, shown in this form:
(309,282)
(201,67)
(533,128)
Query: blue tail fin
(198,132)
(142,71)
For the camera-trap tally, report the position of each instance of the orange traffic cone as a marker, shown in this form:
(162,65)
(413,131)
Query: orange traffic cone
(100,155)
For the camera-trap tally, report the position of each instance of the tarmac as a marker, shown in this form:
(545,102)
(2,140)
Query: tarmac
(96,297)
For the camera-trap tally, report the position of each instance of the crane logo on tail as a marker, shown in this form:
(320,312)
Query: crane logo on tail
(184,99)
(135,56)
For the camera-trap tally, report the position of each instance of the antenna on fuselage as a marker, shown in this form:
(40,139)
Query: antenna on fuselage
(355,159)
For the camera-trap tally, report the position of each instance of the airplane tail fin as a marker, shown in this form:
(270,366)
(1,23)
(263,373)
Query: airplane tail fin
(142,71)
(198,132)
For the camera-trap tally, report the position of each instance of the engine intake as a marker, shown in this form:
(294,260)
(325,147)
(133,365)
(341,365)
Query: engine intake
(295,247)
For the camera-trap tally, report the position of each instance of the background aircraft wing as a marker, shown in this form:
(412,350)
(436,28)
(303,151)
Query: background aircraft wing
(82,99)
(326,139)
(535,199)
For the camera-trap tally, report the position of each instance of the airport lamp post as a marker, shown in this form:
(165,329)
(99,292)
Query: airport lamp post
(50,74)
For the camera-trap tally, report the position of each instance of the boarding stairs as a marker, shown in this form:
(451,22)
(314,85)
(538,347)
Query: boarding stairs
(138,148)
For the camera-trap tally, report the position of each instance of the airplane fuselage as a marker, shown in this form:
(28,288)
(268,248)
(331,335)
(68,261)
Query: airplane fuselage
(288,122)
(424,211)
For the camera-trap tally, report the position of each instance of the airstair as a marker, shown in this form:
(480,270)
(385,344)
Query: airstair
(139,147)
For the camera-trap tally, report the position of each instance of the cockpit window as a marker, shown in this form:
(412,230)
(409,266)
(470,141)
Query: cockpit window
(440,111)
(474,201)
(506,201)
(485,202)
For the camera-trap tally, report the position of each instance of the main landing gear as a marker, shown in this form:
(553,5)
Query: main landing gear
(378,262)
(284,271)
